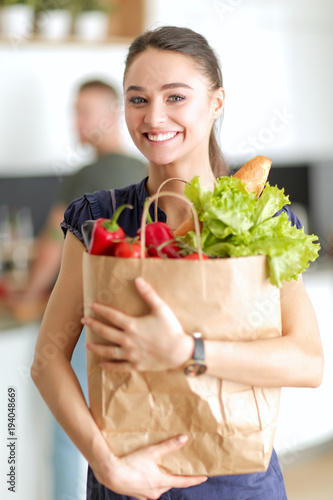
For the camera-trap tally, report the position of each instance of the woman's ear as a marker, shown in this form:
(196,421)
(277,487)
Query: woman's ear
(218,102)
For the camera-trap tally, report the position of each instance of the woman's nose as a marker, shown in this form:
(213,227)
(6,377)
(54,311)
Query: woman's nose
(155,115)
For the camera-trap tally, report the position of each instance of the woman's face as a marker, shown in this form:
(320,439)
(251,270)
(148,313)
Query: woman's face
(169,110)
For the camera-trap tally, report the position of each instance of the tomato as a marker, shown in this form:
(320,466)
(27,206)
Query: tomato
(128,249)
(195,256)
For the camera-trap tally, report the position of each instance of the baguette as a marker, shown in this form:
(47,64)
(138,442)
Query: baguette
(253,174)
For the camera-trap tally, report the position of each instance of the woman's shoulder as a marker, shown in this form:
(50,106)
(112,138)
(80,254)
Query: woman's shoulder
(77,212)
(100,204)
(294,220)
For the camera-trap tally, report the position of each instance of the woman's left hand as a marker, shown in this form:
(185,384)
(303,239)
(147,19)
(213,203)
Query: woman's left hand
(153,342)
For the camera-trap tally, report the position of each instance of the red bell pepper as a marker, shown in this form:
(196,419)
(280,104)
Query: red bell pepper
(160,241)
(105,233)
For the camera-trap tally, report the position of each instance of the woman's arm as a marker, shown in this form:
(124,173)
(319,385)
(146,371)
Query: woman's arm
(295,359)
(136,475)
(60,329)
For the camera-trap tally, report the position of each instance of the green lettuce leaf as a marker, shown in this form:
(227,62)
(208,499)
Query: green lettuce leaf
(200,196)
(270,202)
(236,223)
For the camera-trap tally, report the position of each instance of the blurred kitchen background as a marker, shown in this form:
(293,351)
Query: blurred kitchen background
(276,60)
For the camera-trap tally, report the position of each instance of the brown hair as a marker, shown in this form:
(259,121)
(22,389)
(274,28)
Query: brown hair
(190,43)
(99,85)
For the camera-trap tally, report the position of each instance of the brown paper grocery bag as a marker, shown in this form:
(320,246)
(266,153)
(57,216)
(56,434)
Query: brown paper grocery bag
(231,426)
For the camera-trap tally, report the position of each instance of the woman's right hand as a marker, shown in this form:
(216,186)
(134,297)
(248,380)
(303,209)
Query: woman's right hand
(138,474)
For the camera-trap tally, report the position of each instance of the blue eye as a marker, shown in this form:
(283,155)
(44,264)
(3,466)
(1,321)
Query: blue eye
(176,98)
(137,100)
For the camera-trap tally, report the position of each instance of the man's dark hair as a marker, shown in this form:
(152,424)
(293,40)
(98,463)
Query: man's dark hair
(99,85)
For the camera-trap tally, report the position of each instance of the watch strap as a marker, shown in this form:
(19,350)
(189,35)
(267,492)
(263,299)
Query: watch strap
(196,365)
(199,348)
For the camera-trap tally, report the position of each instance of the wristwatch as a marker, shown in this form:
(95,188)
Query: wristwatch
(196,365)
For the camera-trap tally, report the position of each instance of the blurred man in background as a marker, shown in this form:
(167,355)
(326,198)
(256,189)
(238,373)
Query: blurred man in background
(98,124)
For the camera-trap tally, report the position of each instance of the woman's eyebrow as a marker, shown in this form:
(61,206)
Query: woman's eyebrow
(135,87)
(174,85)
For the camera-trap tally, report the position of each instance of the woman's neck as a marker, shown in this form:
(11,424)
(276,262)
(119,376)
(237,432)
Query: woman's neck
(161,173)
(176,210)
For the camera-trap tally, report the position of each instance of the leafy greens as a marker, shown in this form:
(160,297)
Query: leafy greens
(236,223)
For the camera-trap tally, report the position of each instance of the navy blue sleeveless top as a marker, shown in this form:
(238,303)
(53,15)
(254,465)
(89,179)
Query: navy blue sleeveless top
(267,485)
(100,204)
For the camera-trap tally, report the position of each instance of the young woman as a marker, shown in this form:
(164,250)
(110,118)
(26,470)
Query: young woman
(173,96)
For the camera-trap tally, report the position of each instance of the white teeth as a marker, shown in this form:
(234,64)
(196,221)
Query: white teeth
(161,137)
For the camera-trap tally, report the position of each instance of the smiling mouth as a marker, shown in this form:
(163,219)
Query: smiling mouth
(161,137)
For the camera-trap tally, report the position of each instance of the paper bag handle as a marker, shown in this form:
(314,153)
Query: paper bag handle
(159,190)
(145,215)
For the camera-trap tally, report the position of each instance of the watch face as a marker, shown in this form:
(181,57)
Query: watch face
(195,369)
